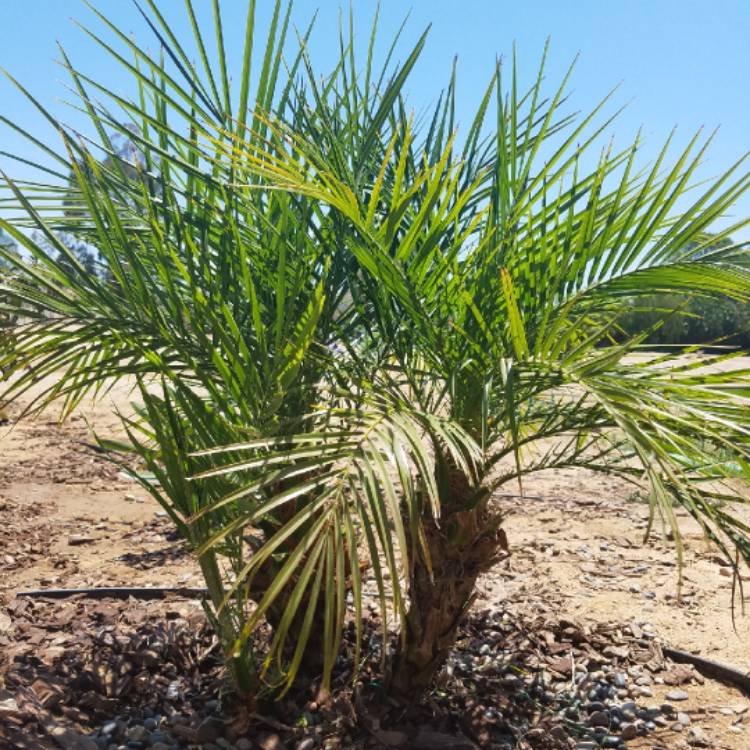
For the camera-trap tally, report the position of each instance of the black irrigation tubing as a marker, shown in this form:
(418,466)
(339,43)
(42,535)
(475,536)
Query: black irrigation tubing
(710,668)
(118,592)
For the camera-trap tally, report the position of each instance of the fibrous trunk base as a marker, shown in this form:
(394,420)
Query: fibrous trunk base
(460,551)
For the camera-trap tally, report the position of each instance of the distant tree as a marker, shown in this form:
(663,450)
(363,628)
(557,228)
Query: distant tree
(83,252)
(9,245)
(694,319)
(127,160)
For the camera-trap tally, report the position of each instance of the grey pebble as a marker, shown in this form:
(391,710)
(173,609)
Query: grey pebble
(677,695)
(683,718)
(308,743)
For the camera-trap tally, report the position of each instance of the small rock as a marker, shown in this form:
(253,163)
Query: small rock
(677,695)
(67,739)
(210,729)
(243,743)
(137,733)
(265,742)
(173,690)
(598,719)
(727,572)
(739,710)
(646,692)
(683,718)
(628,731)
(558,733)
(308,743)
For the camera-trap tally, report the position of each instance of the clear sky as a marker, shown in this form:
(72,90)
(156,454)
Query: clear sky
(683,63)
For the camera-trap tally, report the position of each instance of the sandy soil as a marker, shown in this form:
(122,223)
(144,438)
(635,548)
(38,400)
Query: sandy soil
(68,518)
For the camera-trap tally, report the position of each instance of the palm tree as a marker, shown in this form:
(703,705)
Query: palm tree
(349,330)
(493,279)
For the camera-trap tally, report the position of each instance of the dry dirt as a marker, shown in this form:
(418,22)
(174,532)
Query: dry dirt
(69,518)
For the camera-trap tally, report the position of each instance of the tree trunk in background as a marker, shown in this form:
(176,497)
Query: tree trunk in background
(462,547)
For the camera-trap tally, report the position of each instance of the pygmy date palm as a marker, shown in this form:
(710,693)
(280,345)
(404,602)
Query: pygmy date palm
(350,329)
(493,272)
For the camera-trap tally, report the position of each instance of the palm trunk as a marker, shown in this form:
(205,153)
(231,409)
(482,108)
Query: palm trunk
(464,545)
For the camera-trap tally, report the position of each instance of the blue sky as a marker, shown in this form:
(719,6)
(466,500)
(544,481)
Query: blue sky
(683,64)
